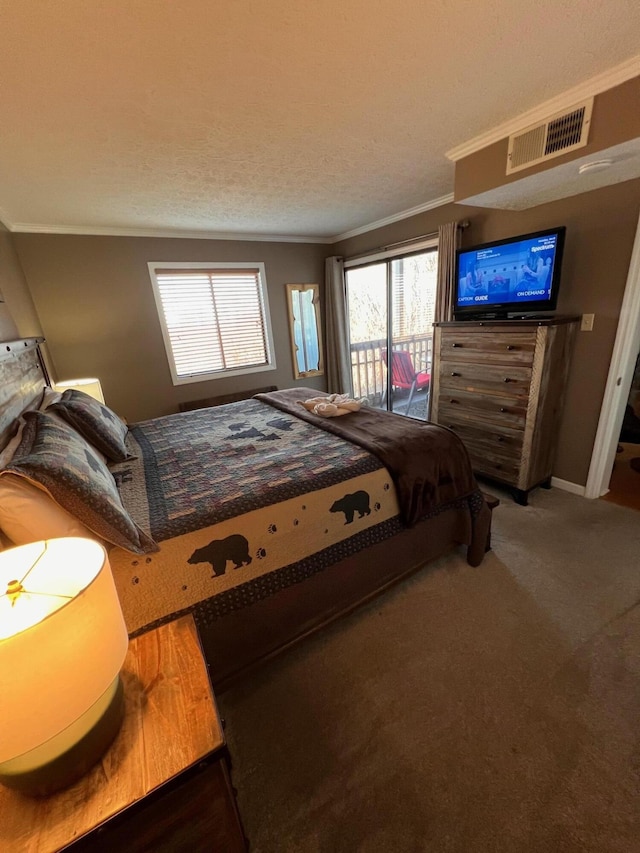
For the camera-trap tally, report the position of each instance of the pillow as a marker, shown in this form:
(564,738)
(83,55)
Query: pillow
(95,422)
(28,513)
(53,455)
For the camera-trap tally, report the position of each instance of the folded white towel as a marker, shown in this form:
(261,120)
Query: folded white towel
(331,406)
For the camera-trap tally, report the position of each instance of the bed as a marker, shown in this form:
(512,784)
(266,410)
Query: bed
(262,519)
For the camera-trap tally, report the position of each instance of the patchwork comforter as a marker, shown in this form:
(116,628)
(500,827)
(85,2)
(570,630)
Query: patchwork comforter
(244,500)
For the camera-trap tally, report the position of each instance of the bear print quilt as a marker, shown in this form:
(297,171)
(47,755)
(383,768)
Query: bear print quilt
(243,500)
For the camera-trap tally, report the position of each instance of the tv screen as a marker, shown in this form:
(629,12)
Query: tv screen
(512,277)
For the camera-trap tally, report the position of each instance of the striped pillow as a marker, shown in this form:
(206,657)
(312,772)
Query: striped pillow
(95,421)
(53,455)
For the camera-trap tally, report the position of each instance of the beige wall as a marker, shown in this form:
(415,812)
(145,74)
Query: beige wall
(99,315)
(18,317)
(601,227)
(96,303)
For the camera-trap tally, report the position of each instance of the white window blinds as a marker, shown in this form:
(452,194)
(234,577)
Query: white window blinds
(215,320)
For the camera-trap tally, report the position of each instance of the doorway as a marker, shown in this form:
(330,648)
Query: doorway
(624,486)
(619,382)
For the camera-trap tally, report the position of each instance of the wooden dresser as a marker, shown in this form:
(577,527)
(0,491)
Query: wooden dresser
(499,385)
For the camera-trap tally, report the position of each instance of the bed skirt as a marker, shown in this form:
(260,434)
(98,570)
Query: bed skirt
(238,641)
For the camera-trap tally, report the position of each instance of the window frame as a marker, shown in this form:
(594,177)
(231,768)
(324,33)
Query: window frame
(259,266)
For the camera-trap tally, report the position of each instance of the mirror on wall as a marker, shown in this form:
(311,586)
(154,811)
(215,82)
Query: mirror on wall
(305,329)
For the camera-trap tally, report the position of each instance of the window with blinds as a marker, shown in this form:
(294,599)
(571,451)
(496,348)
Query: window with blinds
(215,319)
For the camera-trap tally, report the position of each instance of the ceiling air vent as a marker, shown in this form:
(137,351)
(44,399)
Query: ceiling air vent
(556,135)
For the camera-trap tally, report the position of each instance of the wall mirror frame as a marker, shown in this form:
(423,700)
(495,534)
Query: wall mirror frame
(305,329)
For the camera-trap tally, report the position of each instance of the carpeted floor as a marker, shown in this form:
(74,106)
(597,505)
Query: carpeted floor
(490,709)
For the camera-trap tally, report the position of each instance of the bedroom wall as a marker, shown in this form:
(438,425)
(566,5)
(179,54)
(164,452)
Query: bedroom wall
(18,316)
(601,227)
(99,315)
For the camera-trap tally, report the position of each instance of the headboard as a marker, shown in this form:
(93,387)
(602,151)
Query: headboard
(23,376)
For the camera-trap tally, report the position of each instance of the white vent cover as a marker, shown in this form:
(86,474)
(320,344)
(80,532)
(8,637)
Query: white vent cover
(556,135)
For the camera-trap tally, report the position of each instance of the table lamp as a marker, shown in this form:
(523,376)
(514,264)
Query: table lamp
(90,386)
(63,641)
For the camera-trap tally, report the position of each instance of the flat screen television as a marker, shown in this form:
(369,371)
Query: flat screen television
(515,277)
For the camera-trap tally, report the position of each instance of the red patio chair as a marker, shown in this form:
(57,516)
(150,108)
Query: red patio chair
(404,374)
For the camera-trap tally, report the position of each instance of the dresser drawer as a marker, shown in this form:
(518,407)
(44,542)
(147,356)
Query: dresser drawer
(487,440)
(510,380)
(512,347)
(471,407)
(506,470)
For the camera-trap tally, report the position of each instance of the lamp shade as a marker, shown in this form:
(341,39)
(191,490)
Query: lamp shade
(90,386)
(63,641)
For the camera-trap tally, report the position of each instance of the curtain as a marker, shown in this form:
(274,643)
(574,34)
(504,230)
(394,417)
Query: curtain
(338,359)
(448,241)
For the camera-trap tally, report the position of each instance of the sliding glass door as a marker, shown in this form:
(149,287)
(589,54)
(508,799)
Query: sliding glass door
(391,306)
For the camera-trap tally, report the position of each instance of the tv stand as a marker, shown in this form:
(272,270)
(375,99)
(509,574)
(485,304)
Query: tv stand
(502,316)
(482,318)
(499,385)
(525,316)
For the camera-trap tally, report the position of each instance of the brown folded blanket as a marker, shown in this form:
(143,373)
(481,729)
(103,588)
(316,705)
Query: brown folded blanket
(429,464)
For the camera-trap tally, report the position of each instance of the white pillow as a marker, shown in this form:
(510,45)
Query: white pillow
(28,513)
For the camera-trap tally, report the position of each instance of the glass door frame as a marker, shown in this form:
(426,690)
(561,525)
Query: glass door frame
(387,256)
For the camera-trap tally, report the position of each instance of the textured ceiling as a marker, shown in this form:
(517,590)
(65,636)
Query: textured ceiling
(271,117)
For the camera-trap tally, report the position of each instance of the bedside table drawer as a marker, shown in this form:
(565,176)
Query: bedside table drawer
(189,814)
(515,348)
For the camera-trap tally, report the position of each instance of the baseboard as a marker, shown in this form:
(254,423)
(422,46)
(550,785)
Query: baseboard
(567,486)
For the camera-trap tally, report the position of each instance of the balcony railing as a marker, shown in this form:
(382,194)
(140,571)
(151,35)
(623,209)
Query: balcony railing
(369,372)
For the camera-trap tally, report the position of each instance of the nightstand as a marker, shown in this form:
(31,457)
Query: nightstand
(163,786)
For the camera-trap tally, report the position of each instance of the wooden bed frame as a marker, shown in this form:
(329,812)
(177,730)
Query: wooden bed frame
(23,376)
(237,642)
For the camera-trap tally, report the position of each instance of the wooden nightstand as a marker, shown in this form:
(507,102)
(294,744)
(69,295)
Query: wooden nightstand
(162,786)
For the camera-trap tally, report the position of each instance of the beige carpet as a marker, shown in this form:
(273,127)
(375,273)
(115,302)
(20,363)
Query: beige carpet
(490,709)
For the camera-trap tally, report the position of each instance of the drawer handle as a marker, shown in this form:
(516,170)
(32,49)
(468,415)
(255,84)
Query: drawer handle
(511,346)
(499,438)
(456,345)
(453,373)
(453,401)
(502,409)
(452,426)
(506,379)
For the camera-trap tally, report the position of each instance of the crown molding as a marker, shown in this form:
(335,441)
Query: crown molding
(88,231)
(397,217)
(171,233)
(594,86)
